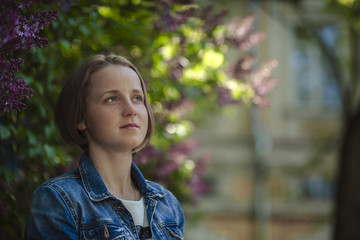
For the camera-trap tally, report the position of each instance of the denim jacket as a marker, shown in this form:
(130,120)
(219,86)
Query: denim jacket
(77,205)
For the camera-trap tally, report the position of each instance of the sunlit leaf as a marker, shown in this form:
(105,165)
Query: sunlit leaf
(212,59)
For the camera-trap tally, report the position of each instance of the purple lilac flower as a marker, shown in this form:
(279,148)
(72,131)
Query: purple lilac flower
(224,96)
(199,186)
(240,35)
(13,90)
(197,183)
(181,108)
(170,20)
(8,33)
(243,66)
(176,157)
(146,154)
(18,32)
(262,83)
(211,21)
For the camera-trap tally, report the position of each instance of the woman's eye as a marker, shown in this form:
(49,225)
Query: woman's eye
(138,98)
(111,99)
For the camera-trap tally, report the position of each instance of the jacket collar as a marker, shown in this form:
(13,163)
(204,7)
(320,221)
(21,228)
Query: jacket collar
(96,189)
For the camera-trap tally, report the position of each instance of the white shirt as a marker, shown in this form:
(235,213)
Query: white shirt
(138,213)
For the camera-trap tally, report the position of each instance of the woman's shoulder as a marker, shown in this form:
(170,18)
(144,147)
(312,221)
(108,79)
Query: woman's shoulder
(168,204)
(160,190)
(68,180)
(63,191)
(156,187)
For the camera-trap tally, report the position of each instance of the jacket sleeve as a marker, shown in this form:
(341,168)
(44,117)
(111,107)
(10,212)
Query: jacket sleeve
(178,213)
(180,216)
(50,216)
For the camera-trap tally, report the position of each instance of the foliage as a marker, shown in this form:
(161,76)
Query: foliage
(181,51)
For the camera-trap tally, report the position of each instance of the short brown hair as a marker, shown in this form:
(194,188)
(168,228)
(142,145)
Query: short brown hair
(70,106)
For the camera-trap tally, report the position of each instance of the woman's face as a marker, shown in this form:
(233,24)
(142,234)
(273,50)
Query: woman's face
(116,116)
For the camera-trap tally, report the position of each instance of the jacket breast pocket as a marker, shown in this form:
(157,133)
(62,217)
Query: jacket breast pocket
(172,231)
(103,231)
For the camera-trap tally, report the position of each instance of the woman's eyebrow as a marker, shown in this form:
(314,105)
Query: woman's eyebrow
(108,91)
(117,92)
(138,91)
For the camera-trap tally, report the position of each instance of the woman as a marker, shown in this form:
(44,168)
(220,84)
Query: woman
(103,108)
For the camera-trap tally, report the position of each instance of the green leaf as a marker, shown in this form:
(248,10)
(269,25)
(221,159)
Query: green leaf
(4,132)
(50,152)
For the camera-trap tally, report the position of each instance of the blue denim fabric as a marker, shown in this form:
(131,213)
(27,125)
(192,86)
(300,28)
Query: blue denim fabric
(77,205)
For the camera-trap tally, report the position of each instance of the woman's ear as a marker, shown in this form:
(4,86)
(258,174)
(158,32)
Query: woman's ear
(81,126)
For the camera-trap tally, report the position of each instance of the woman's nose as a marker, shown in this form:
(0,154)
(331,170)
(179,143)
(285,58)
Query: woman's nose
(129,109)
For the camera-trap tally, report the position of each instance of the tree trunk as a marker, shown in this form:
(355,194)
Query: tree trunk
(347,209)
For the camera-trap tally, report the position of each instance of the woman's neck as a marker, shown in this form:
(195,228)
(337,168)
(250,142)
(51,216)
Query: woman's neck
(115,171)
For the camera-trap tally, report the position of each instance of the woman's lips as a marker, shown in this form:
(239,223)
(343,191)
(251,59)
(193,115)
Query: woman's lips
(130,125)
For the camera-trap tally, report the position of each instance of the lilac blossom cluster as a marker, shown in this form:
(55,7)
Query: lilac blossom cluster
(171,161)
(13,89)
(199,185)
(211,20)
(170,19)
(224,96)
(262,83)
(241,37)
(167,162)
(18,32)
(240,33)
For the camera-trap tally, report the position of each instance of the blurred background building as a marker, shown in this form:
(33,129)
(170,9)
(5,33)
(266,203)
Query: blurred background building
(273,170)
